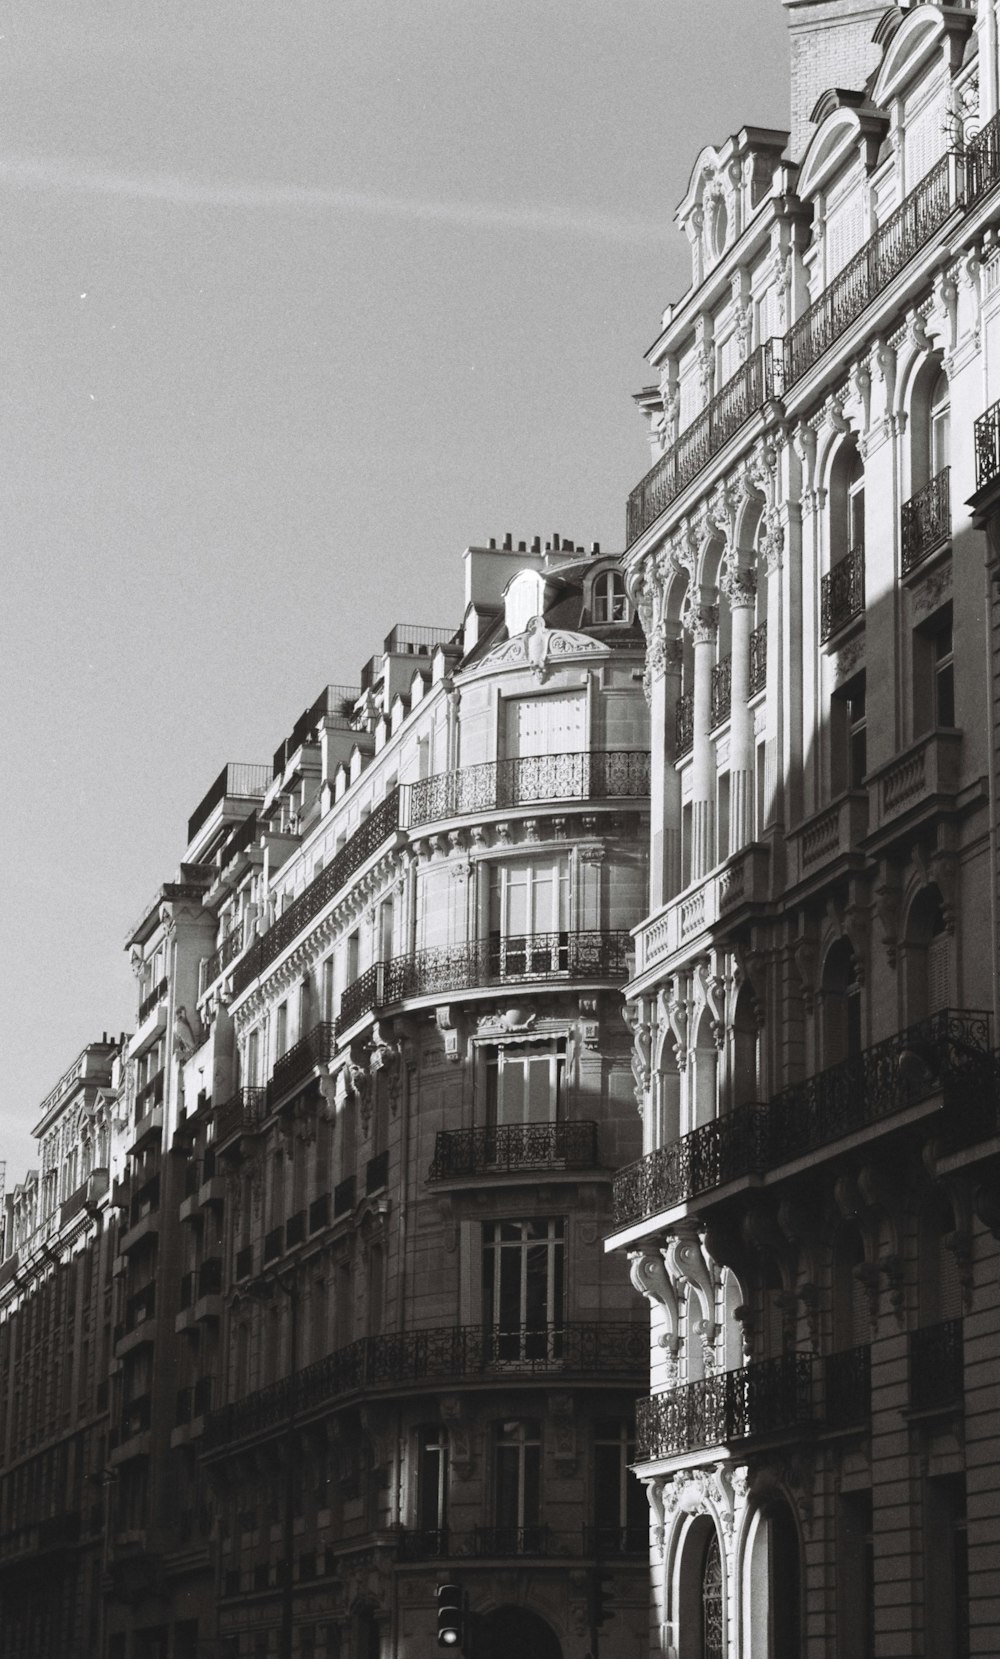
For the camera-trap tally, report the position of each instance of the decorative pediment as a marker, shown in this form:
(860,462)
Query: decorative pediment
(539,648)
(909,50)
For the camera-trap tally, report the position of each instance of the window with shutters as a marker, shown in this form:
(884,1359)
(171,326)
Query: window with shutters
(923,140)
(844,232)
(524,1083)
(551,725)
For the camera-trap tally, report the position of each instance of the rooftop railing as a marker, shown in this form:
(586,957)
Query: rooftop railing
(335,704)
(512,960)
(407,1358)
(356,851)
(948,1053)
(509,1148)
(499,785)
(244,780)
(925,520)
(766,1398)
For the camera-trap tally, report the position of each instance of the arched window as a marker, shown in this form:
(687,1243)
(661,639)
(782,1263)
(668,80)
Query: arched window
(939,1289)
(744,1051)
(841,1004)
(610,598)
(712,1592)
(927,958)
(856,503)
(939,415)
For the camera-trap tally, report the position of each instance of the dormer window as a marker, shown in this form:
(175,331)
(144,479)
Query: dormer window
(718,228)
(610,598)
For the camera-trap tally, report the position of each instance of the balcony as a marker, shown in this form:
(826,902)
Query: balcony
(238,780)
(512,1149)
(343,1197)
(987,441)
(356,851)
(727,1149)
(830,835)
(947,1054)
(152,1001)
(220,959)
(504,1543)
(519,959)
(684,725)
(529,781)
(87,1195)
(937,1366)
(866,276)
(758,659)
(769,1398)
(922,780)
(982,162)
(722,690)
(423,1359)
(755,382)
(925,521)
(376,1173)
(423,1544)
(842,594)
(241,1114)
(316,1048)
(847,1387)
(743,879)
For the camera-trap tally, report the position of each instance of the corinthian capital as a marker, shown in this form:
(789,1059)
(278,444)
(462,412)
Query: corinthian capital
(702,623)
(739,587)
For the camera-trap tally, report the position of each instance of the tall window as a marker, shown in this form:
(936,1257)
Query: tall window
(712,1595)
(849,735)
(856,503)
(523,1287)
(621,1513)
(517,1483)
(939,422)
(841,1005)
(432,1481)
(528,918)
(610,598)
(524,1083)
(934,673)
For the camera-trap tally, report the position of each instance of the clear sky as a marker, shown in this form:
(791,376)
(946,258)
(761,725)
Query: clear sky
(298,298)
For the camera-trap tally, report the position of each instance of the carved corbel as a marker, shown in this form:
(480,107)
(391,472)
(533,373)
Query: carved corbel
(649,1276)
(686,1261)
(676,1019)
(804,444)
(713,993)
(805,954)
(887,910)
(657,1519)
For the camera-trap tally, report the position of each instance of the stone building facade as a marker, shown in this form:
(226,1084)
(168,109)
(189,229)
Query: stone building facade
(814,1219)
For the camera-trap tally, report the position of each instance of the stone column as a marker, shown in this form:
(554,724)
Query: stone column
(662,686)
(702,622)
(740,587)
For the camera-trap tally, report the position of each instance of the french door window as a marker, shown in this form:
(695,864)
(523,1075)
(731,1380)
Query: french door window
(524,1083)
(529,918)
(517,1477)
(523,1288)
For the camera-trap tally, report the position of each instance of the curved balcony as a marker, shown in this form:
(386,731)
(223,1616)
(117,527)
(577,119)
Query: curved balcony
(770,1397)
(513,1148)
(947,1054)
(515,959)
(494,786)
(413,1360)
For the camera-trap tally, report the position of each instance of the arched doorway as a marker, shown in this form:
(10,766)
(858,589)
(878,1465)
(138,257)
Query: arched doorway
(516,1631)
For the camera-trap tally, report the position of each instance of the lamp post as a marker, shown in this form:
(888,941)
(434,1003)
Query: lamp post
(261,1289)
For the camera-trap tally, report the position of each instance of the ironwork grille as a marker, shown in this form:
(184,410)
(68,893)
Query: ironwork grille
(842,594)
(242,1111)
(684,724)
(513,1146)
(711,1601)
(925,521)
(722,686)
(758,659)
(768,1397)
(987,437)
(982,161)
(716,1152)
(314,1049)
(495,785)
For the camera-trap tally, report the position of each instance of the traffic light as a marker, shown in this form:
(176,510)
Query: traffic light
(603,1597)
(449,1606)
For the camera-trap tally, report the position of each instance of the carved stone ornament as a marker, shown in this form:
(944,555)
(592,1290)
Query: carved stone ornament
(450,1035)
(460,1448)
(539,646)
(648,1274)
(686,1261)
(739,587)
(702,623)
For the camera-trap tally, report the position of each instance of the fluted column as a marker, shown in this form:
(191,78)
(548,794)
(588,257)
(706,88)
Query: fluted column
(740,587)
(662,687)
(702,623)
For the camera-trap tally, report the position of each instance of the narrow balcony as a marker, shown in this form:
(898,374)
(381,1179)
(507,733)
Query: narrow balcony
(743,879)
(722,690)
(238,781)
(419,1361)
(529,781)
(830,836)
(220,959)
(922,781)
(376,830)
(684,725)
(847,1387)
(316,1048)
(758,659)
(946,1055)
(864,278)
(925,521)
(769,1398)
(152,1000)
(241,1114)
(937,1366)
(842,594)
(755,383)
(982,162)
(513,1149)
(521,959)
(506,1543)
(607,1542)
(987,442)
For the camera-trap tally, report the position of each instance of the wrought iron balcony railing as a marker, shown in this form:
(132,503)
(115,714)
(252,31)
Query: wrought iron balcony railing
(756,381)
(925,521)
(767,1398)
(948,1053)
(724,1150)
(149,1002)
(847,1386)
(987,441)
(937,1365)
(873,267)
(502,1543)
(513,1147)
(684,724)
(758,659)
(498,785)
(842,593)
(609,1541)
(514,959)
(356,851)
(423,1544)
(316,1048)
(982,161)
(240,1114)
(220,959)
(722,689)
(453,1353)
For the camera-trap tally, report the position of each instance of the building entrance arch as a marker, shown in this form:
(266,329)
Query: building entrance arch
(516,1631)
